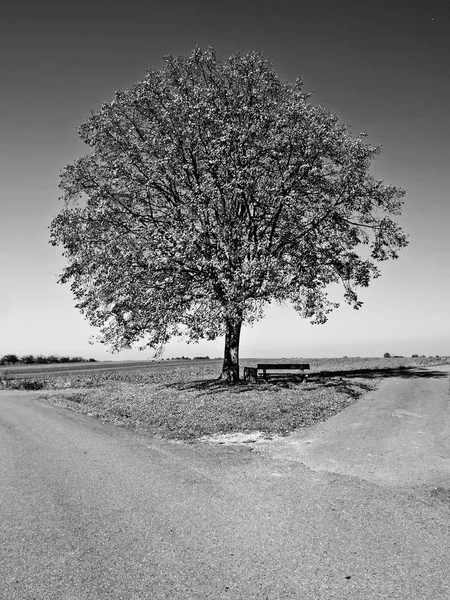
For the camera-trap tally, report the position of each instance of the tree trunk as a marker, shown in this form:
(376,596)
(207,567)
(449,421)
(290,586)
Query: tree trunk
(231,354)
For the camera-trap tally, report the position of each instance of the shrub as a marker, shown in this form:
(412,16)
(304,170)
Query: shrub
(415,356)
(4,380)
(41,360)
(29,384)
(28,359)
(9,359)
(52,359)
(387,355)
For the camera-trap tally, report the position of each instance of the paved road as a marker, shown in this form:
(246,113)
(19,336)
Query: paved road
(89,511)
(398,435)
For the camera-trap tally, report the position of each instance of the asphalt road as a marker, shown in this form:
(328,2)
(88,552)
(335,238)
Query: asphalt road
(398,435)
(90,511)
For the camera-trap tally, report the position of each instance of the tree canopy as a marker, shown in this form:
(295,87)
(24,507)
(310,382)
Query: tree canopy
(210,189)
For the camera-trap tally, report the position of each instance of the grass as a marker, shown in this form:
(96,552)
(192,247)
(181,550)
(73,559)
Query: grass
(191,411)
(185,403)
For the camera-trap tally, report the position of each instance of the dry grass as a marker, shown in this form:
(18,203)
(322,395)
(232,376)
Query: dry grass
(187,411)
(189,402)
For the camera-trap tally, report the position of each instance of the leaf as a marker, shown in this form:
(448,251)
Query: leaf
(212,188)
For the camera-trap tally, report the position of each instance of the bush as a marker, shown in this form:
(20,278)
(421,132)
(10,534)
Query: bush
(415,356)
(9,359)
(28,359)
(52,359)
(387,355)
(7,382)
(4,380)
(41,360)
(29,384)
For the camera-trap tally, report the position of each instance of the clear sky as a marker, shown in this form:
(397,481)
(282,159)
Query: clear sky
(382,66)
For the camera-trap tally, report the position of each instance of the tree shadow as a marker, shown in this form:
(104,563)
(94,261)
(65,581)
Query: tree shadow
(351,387)
(342,381)
(216,386)
(403,372)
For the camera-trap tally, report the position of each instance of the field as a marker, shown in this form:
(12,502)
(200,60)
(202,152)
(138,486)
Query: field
(185,400)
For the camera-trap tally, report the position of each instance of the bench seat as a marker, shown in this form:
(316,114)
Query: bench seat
(251,373)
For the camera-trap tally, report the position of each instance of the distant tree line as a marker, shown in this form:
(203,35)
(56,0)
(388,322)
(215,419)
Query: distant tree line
(30,359)
(388,355)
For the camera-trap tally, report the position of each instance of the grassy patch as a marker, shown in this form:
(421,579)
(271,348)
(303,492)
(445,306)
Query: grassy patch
(189,402)
(29,384)
(192,408)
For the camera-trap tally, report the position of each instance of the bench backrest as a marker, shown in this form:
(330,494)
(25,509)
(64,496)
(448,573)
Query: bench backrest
(281,366)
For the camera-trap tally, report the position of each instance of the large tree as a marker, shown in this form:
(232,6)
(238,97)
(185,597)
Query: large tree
(212,188)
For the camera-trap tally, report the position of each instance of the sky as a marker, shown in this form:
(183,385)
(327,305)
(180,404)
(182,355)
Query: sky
(382,66)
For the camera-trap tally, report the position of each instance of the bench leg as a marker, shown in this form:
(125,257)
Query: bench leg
(250,374)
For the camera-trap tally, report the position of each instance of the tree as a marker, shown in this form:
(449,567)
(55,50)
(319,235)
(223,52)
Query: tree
(211,189)
(28,359)
(9,359)
(52,359)
(41,359)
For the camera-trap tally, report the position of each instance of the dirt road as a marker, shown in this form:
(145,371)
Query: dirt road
(89,511)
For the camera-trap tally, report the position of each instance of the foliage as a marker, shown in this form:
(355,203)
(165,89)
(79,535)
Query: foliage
(28,384)
(211,189)
(7,381)
(40,360)
(9,359)
(387,355)
(29,359)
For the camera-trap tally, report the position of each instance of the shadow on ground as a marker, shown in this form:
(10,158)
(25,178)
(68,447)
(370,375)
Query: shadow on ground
(353,388)
(347,381)
(404,372)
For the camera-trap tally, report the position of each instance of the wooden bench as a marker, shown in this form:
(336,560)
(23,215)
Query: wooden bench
(251,373)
